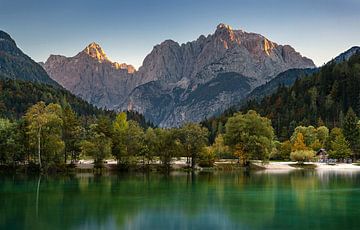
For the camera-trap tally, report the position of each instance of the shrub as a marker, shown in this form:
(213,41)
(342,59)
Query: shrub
(302,155)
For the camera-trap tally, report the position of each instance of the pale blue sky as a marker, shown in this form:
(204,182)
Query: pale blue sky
(128,29)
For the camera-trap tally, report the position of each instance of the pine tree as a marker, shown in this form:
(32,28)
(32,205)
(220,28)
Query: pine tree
(71,133)
(340,147)
(352,132)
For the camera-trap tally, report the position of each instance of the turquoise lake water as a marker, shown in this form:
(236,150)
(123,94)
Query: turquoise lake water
(257,200)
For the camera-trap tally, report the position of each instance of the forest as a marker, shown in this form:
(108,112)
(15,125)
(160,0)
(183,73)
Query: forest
(50,137)
(44,128)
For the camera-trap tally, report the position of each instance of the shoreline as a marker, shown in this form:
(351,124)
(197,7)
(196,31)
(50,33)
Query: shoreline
(87,166)
(277,165)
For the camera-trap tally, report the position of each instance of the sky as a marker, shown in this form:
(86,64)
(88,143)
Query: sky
(127,30)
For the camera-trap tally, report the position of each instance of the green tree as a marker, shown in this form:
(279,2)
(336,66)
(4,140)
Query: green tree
(219,148)
(119,147)
(134,139)
(309,134)
(207,157)
(351,131)
(193,138)
(340,147)
(168,147)
(97,145)
(12,148)
(151,145)
(72,131)
(250,135)
(302,156)
(322,134)
(45,131)
(283,151)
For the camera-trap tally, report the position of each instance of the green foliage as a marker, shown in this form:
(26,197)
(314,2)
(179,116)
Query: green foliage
(72,134)
(302,156)
(340,148)
(352,131)
(169,146)
(17,96)
(325,95)
(12,148)
(250,136)
(128,140)
(207,157)
(193,138)
(311,137)
(282,151)
(45,132)
(151,145)
(120,127)
(219,148)
(97,145)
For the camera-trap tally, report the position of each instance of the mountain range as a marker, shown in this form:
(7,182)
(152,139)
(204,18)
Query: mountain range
(23,82)
(178,83)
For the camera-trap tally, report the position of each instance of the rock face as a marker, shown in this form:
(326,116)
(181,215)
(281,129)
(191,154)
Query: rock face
(15,64)
(179,83)
(92,76)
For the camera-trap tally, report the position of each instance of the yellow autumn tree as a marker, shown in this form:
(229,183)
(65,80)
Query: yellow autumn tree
(298,143)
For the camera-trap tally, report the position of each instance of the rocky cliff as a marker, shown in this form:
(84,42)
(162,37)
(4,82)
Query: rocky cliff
(179,83)
(92,76)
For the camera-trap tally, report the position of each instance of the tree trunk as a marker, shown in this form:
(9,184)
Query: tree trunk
(39,146)
(193,161)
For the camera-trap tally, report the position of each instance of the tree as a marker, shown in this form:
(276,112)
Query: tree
(97,145)
(44,129)
(128,140)
(151,145)
(351,131)
(71,133)
(251,135)
(168,147)
(207,157)
(193,138)
(134,139)
(302,156)
(298,143)
(283,151)
(309,134)
(12,149)
(219,148)
(120,127)
(322,134)
(340,147)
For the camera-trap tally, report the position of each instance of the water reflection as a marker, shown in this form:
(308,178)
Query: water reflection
(296,199)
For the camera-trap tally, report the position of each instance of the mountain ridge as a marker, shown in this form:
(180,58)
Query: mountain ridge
(180,71)
(15,64)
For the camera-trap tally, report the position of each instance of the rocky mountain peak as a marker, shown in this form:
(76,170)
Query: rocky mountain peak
(95,51)
(223,26)
(179,83)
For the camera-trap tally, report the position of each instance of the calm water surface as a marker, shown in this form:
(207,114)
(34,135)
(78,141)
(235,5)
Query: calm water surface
(296,200)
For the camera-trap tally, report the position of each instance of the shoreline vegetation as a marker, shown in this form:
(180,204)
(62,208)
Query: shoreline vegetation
(110,165)
(315,120)
(52,139)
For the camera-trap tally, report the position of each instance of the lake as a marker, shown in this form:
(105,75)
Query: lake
(220,200)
